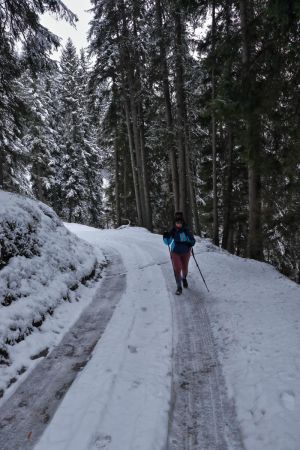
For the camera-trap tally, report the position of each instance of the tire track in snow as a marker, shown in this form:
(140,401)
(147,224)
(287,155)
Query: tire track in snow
(202,417)
(25,415)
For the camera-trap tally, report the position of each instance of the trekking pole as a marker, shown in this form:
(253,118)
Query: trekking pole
(199,270)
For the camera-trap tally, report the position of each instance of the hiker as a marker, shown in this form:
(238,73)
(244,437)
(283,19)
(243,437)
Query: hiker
(180,241)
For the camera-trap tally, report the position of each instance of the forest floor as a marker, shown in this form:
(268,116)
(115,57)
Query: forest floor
(143,369)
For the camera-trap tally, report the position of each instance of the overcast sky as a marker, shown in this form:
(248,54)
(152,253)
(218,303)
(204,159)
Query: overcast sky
(64,30)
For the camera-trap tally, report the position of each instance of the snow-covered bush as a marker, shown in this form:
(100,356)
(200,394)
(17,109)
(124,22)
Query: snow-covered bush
(41,265)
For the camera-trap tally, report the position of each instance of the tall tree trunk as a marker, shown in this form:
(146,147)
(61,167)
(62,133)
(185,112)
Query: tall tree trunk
(2,162)
(254,247)
(131,114)
(148,211)
(39,183)
(181,113)
(132,159)
(227,221)
(125,188)
(132,74)
(213,130)
(197,229)
(192,212)
(137,106)
(137,144)
(228,232)
(117,184)
(168,105)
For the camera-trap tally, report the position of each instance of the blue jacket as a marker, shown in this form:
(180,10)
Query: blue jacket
(179,240)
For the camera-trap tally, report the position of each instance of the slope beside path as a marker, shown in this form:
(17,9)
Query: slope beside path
(25,415)
(46,279)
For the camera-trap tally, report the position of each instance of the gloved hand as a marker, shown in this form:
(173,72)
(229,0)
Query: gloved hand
(166,235)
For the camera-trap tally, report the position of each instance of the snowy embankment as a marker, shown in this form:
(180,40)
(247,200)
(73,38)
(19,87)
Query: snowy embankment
(255,314)
(44,273)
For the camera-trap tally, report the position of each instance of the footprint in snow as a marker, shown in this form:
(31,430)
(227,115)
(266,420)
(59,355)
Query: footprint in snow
(132,348)
(136,384)
(102,442)
(287,400)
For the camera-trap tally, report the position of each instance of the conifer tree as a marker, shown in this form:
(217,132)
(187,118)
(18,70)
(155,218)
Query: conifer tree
(181,94)
(89,147)
(39,136)
(20,23)
(70,131)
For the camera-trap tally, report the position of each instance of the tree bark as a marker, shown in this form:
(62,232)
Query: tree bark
(213,130)
(132,159)
(40,195)
(181,113)
(148,212)
(227,200)
(194,212)
(138,104)
(125,189)
(254,246)
(130,113)
(2,162)
(228,232)
(117,186)
(131,64)
(168,106)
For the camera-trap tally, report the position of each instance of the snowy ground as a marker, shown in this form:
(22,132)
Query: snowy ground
(124,391)
(122,398)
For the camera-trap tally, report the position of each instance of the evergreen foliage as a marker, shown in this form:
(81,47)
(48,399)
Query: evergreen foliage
(20,23)
(208,87)
(189,105)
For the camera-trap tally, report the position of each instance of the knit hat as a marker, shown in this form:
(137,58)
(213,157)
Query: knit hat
(179,217)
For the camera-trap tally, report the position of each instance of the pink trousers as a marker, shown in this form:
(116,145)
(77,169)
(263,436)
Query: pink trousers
(180,265)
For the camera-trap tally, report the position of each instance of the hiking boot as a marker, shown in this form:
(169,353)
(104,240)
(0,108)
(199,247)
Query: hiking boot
(179,291)
(185,283)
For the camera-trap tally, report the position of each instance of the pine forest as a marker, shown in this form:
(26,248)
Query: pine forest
(175,105)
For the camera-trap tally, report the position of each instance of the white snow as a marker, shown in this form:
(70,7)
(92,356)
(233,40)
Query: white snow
(255,313)
(42,264)
(120,400)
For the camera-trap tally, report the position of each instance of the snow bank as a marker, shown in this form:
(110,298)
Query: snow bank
(255,316)
(42,265)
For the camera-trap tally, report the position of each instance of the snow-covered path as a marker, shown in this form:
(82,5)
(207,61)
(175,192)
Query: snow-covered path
(121,398)
(174,372)
(131,395)
(202,416)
